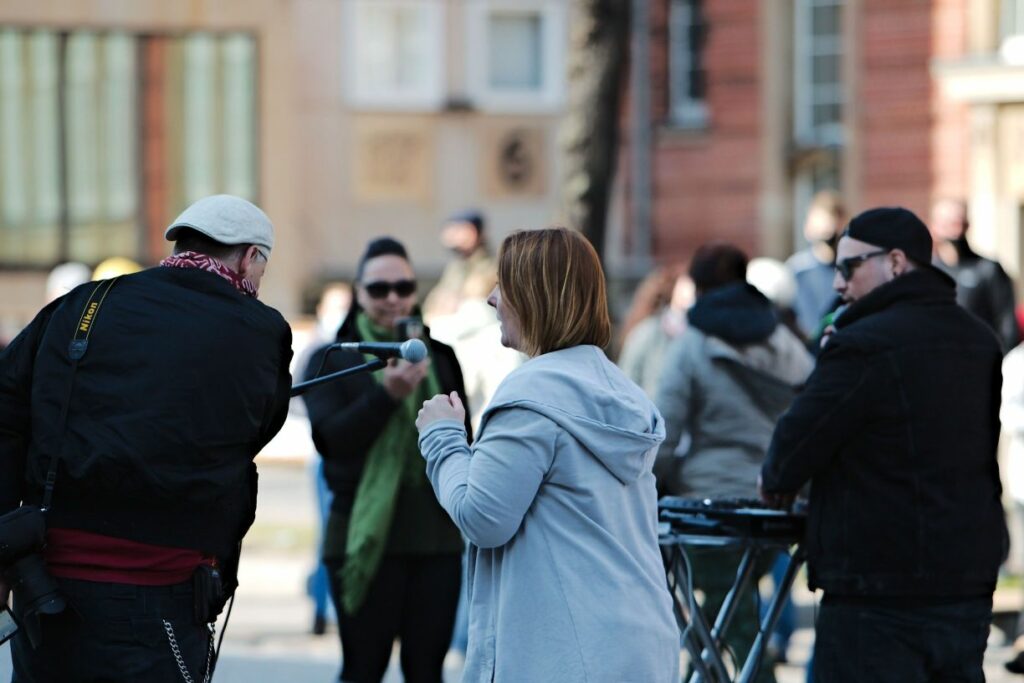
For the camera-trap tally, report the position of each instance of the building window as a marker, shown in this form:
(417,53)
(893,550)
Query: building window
(150,123)
(818,86)
(515,57)
(1011,18)
(817,103)
(687,76)
(395,56)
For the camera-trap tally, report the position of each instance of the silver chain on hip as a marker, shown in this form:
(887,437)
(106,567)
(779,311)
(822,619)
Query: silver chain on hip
(181,660)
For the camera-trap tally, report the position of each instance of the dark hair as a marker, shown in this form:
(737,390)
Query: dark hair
(188,239)
(471,216)
(381,246)
(553,281)
(717,264)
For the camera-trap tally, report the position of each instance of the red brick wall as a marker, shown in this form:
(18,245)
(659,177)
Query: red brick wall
(950,127)
(705,182)
(913,144)
(894,94)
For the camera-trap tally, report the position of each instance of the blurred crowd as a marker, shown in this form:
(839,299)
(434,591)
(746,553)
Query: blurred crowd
(721,344)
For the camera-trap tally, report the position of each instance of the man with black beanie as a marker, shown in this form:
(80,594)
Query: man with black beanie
(897,430)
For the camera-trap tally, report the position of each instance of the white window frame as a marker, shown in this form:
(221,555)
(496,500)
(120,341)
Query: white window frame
(550,97)
(428,95)
(1011,18)
(685,111)
(805,93)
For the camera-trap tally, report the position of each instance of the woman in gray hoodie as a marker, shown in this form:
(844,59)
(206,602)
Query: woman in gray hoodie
(556,495)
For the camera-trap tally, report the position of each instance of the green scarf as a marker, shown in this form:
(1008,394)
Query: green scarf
(393,459)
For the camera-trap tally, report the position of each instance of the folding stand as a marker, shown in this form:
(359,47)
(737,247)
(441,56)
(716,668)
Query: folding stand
(755,531)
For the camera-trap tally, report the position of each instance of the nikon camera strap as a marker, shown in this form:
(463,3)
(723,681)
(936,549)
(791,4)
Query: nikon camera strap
(76,349)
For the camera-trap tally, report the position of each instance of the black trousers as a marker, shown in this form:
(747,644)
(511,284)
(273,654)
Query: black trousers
(942,643)
(412,598)
(113,633)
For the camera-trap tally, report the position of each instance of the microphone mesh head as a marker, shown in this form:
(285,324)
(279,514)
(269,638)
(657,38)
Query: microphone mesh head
(414,350)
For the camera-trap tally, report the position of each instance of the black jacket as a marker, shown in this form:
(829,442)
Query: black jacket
(349,414)
(984,289)
(897,430)
(184,381)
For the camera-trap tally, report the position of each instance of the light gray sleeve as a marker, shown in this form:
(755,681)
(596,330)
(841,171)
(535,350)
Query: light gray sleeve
(488,490)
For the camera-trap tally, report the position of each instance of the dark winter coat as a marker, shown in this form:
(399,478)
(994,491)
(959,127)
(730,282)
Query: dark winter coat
(897,430)
(348,415)
(184,380)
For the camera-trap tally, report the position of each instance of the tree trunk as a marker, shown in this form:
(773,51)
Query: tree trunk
(598,56)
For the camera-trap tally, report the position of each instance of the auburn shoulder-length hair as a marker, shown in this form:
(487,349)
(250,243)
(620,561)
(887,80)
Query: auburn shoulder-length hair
(553,281)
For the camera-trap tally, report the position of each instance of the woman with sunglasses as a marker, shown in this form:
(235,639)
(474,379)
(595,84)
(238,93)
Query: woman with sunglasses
(392,553)
(556,496)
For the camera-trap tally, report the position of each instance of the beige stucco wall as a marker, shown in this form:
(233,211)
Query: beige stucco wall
(307,137)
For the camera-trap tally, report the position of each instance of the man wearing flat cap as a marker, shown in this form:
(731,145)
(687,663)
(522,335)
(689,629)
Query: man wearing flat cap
(131,411)
(896,430)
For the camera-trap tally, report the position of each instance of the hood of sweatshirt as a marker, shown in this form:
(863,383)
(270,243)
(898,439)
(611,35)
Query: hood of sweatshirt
(737,313)
(588,396)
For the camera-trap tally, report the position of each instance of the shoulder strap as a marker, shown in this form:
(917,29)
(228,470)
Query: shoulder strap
(76,349)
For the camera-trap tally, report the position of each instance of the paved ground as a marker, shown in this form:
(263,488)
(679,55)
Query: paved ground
(268,639)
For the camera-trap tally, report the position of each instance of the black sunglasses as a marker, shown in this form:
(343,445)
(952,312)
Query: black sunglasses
(846,267)
(381,289)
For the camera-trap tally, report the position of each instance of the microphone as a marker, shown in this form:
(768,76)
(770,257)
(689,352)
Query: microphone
(412,350)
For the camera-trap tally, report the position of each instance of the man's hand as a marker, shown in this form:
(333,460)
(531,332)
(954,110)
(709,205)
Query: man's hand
(402,377)
(441,407)
(779,501)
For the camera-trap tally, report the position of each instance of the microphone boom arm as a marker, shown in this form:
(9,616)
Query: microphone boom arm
(370,366)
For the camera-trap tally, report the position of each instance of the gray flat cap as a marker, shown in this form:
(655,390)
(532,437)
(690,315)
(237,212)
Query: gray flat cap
(227,219)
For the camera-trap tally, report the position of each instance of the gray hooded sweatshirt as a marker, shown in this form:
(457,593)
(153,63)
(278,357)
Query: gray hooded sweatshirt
(558,502)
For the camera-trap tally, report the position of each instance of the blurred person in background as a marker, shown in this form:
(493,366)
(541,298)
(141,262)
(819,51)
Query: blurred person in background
(65,277)
(1011,415)
(459,316)
(813,267)
(656,317)
(331,309)
(471,271)
(773,279)
(115,266)
(724,383)
(392,554)
(147,444)
(556,496)
(982,286)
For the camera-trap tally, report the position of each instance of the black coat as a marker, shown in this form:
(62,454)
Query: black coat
(897,431)
(984,289)
(349,414)
(185,379)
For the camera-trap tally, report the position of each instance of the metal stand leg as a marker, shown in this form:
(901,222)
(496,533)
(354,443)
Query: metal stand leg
(687,615)
(753,663)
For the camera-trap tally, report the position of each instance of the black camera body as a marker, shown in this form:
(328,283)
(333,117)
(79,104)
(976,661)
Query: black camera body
(22,539)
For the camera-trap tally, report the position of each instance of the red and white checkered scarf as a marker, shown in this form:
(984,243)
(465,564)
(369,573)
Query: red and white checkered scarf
(193,259)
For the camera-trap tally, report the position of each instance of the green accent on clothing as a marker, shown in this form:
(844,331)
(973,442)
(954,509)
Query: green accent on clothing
(393,464)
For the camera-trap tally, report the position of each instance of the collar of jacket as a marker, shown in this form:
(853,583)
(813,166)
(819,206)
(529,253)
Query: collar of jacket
(737,313)
(348,331)
(921,286)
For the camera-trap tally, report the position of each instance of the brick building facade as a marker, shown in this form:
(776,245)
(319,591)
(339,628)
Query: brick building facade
(755,105)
